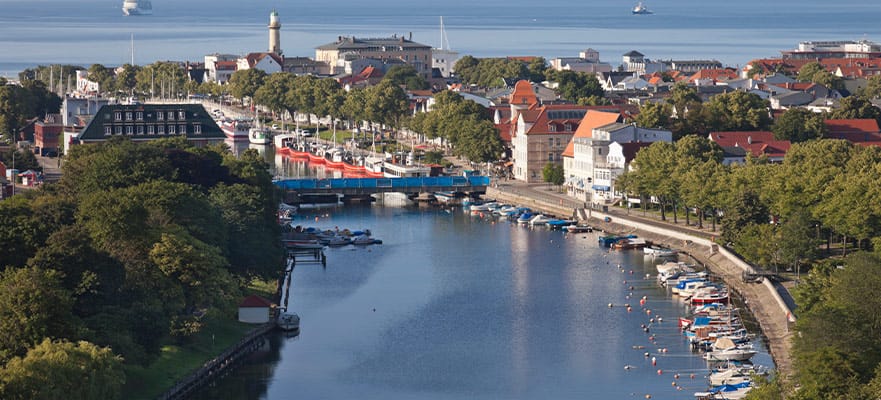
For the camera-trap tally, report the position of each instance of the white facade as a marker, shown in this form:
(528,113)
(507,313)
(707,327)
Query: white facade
(444,60)
(254,315)
(213,74)
(266,64)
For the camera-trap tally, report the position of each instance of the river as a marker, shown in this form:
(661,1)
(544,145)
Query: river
(453,306)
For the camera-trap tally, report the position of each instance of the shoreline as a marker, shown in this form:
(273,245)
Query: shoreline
(763,300)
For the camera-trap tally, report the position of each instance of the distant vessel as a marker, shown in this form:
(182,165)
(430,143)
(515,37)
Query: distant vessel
(137,7)
(641,9)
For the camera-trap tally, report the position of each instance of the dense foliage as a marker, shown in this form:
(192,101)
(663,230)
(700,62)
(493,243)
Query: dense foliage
(781,216)
(463,124)
(136,246)
(18,103)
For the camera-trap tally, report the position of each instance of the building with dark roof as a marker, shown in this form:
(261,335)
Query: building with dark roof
(142,122)
(416,54)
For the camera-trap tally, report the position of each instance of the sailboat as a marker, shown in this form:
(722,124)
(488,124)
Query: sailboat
(641,9)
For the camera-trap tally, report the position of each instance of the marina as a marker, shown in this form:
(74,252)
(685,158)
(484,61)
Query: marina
(513,312)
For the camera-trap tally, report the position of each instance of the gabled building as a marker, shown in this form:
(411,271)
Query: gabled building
(755,143)
(143,122)
(267,62)
(220,67)
(578,166)
(539,137)
(47,133)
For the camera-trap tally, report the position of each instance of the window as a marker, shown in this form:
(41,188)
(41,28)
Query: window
(108,130)
(182,129)
(171,115)
(140,115)
(552,128)
(550,142)
(568,127)
(150,129)
(160,129)
(550,156)
(117,116)
(128,116)
(160,116)
(118,130)
(181,115)
(129,130)
(558,139)
(197,129)
(171,129)
(140,129)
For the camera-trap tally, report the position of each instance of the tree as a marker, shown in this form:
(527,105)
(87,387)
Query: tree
(63,370)
(654,115)
(737,111)
(386,103)
(245,83)
(553,174)
(745,211)
(33,306)
(274,91)
(407,76)
(873,88)
(126,79)
(537,67)
(165,79)
(855,107)
(105,77)
(575,86)
(806,72)
(798,125)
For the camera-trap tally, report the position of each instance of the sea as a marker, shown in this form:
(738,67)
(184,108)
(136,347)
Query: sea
(84,32)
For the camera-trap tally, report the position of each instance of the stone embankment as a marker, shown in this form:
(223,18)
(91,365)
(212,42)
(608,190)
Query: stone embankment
(763,299)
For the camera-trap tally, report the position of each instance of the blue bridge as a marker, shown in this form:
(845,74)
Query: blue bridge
(368,186)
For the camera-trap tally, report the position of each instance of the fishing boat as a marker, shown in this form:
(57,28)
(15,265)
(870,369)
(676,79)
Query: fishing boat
(259,135)
(640,8)
(137,7)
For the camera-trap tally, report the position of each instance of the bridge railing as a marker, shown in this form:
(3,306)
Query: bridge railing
(373,183)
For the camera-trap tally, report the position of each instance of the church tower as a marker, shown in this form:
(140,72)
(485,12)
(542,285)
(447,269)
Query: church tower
(274,33)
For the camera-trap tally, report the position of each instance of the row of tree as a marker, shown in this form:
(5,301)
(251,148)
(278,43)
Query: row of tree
(782,216)
(137,245)
(463,124)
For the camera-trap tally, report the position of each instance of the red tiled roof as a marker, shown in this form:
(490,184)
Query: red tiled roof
(505,131)
(255,301)
(800,86)
(225,65)
(523,93)
(542,122)
(714,74)
(254,58)
(592,119)
(756,142)
(370,72)
(849,126)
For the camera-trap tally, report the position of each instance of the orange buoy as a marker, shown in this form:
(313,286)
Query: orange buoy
(660,372)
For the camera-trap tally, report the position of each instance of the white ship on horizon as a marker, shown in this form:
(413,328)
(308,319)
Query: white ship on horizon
(137,7)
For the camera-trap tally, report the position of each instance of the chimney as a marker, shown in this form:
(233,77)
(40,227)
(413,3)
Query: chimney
(411,36)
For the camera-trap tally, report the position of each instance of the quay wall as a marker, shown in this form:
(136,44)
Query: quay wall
(551,205)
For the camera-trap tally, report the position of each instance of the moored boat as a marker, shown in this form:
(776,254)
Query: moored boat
(579,228)
(288,321)
(656,251)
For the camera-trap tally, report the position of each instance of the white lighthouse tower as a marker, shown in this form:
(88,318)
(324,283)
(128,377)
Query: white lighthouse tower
(274,33)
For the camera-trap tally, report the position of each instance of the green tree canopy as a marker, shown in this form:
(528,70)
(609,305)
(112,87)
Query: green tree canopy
(245,82)
(798,125)
(63,370)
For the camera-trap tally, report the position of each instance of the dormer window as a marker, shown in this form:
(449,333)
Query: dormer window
(117,116)
(552,128)
(160,116)
(139,115)
(128,116)
(171,115)
(181,115)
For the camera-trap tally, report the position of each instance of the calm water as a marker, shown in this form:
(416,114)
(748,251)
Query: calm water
(90,31)
(469,309)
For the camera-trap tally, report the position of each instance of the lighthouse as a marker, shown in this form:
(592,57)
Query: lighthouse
(274,33)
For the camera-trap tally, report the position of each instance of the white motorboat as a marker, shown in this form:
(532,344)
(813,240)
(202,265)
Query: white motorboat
(259,136)
(640,8)
(656,251)
(288,321)
(137,7)
(539,219)
(725,350)
(731,376)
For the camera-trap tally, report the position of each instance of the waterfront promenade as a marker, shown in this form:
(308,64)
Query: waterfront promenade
(769,302)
